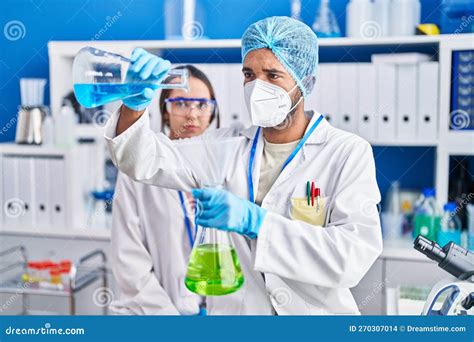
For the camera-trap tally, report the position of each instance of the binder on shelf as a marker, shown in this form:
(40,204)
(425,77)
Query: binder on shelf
(327,85)
(42,185)
(406,101)
(25,189)
(366,113)
(428,95)
(12,205)
(347,82)
(57,198)
(386,102)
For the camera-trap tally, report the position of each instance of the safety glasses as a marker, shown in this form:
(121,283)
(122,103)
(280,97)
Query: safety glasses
(183,106)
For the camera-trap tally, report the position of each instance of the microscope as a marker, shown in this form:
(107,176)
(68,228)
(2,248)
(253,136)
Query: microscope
(458,291)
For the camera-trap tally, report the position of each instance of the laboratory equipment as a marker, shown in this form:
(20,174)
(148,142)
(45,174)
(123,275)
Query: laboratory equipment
(450,227)
(405,16)
(427,215)
(214,268)
(325,23)
(360,19)
(459,294)
(90,269)
(101,77)
(32,112)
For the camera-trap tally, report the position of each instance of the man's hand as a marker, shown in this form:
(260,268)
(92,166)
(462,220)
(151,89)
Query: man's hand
(144,66)
(223,210)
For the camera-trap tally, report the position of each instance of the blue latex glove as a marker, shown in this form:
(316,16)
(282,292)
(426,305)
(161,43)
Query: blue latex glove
(223,210)
(144,66)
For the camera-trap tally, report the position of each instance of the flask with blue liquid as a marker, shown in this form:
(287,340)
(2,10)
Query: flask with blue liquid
(101,77)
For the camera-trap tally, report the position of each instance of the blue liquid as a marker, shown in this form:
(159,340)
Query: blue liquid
(94,95)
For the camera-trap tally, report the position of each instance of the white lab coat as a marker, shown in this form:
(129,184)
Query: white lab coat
(293,267)
(150,251)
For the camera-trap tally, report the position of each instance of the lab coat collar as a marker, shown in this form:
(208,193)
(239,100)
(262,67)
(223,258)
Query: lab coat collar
(318,137)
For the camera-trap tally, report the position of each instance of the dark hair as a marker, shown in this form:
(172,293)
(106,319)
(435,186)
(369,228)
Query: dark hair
(193,72)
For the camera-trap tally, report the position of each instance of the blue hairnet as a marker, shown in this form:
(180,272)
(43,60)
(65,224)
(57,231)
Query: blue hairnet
(293,43)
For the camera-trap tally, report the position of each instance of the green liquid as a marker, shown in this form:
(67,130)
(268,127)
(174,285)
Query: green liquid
(214,270)
(427,226)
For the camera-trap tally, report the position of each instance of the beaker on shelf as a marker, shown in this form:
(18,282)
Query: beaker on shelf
(101,77)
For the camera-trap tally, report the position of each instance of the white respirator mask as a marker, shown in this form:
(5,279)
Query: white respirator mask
(268,104)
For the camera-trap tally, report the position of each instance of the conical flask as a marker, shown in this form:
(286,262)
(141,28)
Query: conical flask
(101,77)
(214,268)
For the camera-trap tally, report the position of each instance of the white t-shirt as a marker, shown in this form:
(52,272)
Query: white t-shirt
(274,156)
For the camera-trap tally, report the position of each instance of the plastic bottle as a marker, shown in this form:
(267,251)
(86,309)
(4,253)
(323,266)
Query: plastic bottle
(359,16)
(325,24)
(64,127)
(381,15)
(427,215)
(404,17)
(48,131)
(450,229)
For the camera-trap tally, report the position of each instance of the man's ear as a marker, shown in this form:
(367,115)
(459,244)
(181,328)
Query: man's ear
(309,83)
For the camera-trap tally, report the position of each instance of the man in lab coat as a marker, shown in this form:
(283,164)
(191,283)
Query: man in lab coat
(301,196)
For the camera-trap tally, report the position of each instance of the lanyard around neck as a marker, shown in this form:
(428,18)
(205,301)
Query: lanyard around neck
(187,221)
(288,160)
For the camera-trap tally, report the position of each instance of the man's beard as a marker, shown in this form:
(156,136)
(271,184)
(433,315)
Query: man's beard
(290,116)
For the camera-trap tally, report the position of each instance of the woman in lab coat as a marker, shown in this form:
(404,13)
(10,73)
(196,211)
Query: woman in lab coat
(153,227)
(302,246)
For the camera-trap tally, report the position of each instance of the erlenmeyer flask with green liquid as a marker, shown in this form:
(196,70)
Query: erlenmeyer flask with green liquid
(214,267)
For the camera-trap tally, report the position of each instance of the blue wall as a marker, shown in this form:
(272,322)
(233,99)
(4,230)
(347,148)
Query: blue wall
(46,20)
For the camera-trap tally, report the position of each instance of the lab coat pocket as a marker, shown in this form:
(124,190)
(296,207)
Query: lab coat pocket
(300,210)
